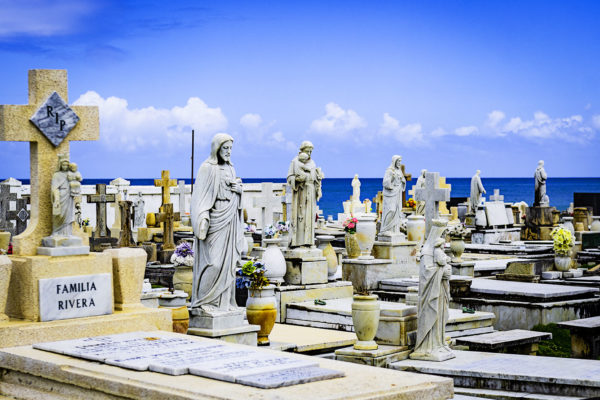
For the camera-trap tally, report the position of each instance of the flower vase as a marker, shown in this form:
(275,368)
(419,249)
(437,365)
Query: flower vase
(457,248)
(352,248)
(415,228)
(366,229)
(261,309)
(249,241)
(183,278)
(329,254)
(568,224)
(274,261)
(365,317)
(595,226)
(562,263)
(284,240)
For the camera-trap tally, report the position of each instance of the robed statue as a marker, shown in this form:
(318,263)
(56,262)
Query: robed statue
(305,180)
(63,196)
(218,229)
(476,191)
(434,297)
(394,184)
(541,198)
(420,206)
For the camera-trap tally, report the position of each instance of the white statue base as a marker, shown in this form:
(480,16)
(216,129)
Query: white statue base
(229,326)
(442,354)
(59,245)
(392,237)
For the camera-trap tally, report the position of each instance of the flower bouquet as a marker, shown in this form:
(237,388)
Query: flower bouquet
(251,276)
(269,231)
(458,231)
(563,241)
(350,225)
(410,203)
(183,255)
(249,228)
(282,227)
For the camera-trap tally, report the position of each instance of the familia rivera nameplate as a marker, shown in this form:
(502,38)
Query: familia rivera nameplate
(75,296)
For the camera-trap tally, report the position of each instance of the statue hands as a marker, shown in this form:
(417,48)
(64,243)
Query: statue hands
(203,229)
(236,186)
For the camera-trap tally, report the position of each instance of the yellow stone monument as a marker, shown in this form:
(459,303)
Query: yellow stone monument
(30,272)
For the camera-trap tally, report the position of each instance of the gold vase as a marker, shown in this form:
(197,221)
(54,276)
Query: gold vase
(352,247)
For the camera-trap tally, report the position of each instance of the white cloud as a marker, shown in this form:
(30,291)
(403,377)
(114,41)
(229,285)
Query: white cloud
(251,121)
(542,126)
(279,140)
(466,130)
(438,132)
(494,118)
(596,121)
(39,18)
(337,121)
(406,134)
(125,128)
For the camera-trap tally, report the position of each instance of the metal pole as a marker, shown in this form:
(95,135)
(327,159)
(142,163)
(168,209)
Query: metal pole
(192,162)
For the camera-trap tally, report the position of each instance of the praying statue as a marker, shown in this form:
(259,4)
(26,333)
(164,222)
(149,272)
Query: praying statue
(434,297)
(139,215)
(305,180)
(541,198)
(216,216)
(394,184)
(420,209)
(355,190)
(476,191)
(63,198)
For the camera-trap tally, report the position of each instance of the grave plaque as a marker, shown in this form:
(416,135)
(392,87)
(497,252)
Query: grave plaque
(496,214)
(75,296)
(55,119)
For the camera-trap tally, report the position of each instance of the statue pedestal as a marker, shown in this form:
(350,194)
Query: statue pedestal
(539,223)
(229,326)
(57,246)
(305,266)
(403,256)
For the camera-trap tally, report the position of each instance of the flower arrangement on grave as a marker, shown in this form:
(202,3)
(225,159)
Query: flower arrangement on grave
(410,203)
(458,231)
(563,241)
(251,276)
(404,226)
(85,222)
(249,228)
(183,255)
(282,227)
(269,231)
(350,225)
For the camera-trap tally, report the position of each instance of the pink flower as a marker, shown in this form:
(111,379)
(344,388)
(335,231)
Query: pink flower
(351,225)
(354,220)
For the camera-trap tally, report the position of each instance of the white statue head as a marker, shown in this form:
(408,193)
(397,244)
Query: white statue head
(63,162)
(220,148)
(540,163)
(477,172)
(396,162)
(307,147)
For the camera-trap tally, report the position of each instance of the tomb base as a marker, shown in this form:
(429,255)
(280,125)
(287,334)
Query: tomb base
(244,334)
(216,320)
(383,356)
(463,268)
(305,266)
(57,246)
(539,222)
(366,274)
(100,244)
(441,355)
(298,293)
(488,236)
(20,333)
(402,253)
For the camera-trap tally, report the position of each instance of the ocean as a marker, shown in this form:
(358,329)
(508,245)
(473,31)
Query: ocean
(337,190)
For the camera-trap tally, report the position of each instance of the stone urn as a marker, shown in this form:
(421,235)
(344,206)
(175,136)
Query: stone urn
(595,226)
(366,229)
(249,241)
(274,261)
(462,210)
(5,271)
(562,263)
(352,247)
(329,254)
(365,317)
(183,279)
(415,228)
(457,248)
(568,224)
(261,309)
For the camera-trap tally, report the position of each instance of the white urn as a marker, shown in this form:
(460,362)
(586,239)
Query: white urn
(274,261)
(415,228)
(366,229)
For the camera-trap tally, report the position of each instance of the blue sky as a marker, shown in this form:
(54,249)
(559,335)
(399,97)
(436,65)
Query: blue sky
(452,86)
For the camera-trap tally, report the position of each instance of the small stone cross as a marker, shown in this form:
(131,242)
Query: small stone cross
(286,202)
(181,192)
(267,203)
(496,196)
(101,198)
(167,217)
(5,198)
(20,215)
(48,109)
(378,201)
(431,194)
(165,183)
(408,178)
(125,237)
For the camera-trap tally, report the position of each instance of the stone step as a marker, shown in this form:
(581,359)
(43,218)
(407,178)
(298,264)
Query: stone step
(516,340)
(514,373)
(461,393)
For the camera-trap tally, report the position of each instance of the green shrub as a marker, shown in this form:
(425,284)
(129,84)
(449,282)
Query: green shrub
(559,345)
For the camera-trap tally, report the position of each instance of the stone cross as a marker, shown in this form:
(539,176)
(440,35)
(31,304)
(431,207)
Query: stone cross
(165,183)
(181,192)
(168,217)
(378,201)
(121,185)
(44,148)
(125,237)
(431,194)
(267,203)
(497,196)
(5,198)
(286,202)
(20,215)
(408,178)
(101,198)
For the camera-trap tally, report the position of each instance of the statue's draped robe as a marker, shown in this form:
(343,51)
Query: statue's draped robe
(476,190)
(63,218)
(540,186)
(434,297)
(304,202)
(217,256)
(139,214)
(394,184)
(420,205)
